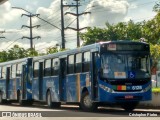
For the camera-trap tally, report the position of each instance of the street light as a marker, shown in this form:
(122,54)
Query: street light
(21,9)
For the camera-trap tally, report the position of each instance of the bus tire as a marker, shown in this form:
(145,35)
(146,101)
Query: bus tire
(129,106)
(29,102)
(86,103)
(51,104)
(20,101)
(1,99)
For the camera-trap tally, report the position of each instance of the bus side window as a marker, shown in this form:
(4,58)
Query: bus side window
(55,67)
(78,63)
(36,69)
(19,70)
(13,73)
(86,61)
(4,72)
(70,64)
(47,69)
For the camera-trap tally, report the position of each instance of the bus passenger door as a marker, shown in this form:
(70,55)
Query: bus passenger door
(62,79)
(7,82)
(94,73)
(23,83)
(40,80)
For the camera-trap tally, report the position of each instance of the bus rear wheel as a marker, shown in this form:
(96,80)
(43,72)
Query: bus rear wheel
(129,106)
(1,99)
(20,101)
(50,103)
(86,103)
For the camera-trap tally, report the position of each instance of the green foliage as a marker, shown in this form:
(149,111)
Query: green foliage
(156,90)
(31,52)
(156,7)
(51,50)
(93,35)
(3,56)
(16,52)
(120,31)
(155,51)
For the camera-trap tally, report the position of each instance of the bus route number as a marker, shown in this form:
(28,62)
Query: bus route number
(136,87)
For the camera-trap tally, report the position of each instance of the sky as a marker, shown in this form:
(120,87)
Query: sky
(102,11)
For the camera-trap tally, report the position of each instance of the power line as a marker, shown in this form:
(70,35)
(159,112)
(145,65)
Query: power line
(12,43)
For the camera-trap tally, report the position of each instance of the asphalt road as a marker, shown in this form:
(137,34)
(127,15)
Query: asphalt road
(40,111)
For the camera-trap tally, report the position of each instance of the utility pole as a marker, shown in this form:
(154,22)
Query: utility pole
(62,26)
(77,15)
(31,27)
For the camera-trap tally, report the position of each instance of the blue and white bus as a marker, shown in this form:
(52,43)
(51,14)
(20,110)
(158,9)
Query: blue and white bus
(15,81)
(101,73)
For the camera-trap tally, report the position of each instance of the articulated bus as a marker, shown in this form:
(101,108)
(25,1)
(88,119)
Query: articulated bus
(101,73)
(15,81)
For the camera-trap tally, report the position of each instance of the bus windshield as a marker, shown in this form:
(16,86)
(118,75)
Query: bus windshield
(125,66)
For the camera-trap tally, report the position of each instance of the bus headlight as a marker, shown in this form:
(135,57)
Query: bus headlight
(147,88)
(105,88)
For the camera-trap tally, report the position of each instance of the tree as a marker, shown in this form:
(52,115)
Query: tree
(31,52)
(3,56)
(51,50)
(120,31)
(16,53)
(156,7)
(93,35)
(155,51)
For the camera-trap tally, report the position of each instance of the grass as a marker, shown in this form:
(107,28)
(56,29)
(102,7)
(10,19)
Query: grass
(156,90)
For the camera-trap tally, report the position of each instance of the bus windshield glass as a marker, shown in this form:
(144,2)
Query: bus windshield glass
(125,66)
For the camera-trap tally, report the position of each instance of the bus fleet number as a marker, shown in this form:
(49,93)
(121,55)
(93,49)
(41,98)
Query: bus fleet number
(136,87)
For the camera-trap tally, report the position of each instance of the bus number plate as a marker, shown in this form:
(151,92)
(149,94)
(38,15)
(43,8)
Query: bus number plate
(128,97)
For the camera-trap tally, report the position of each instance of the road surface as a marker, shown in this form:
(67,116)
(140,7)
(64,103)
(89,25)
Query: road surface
(68,112)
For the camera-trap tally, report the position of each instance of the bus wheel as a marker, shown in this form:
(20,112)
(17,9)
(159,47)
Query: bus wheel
(50,103)
(49,100)
(1,99)
(86,103)
(20,101)
(129,106)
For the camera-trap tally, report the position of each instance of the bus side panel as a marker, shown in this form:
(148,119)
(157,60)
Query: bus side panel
(29,91)
(35,89)
(3,87)
(28,84)
(13,89)
(71,88)
(75,85)
(85,82)
(52,84)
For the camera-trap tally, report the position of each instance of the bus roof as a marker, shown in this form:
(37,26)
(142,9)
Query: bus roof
(95,46)
(14,61)
(82,49)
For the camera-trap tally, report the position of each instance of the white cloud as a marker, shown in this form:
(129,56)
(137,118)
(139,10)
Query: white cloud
(7,14)
(103,11)
(139,11)
(112,11)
